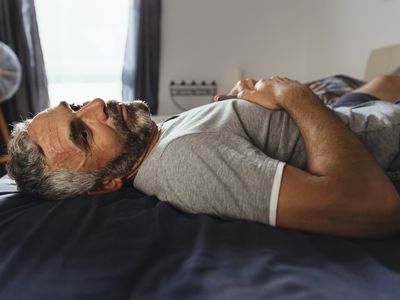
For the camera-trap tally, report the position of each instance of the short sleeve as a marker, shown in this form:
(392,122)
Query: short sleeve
(220,175)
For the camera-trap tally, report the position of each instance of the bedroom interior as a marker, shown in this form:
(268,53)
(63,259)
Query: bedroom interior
(128,245)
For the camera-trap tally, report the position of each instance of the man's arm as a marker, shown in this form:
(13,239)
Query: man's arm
(344,192)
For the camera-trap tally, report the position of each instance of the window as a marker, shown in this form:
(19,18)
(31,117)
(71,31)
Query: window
(83,44)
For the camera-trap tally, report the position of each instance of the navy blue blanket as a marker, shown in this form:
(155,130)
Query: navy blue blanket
(128,245)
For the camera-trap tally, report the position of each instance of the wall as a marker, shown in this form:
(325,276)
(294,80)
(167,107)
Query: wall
(342,33)
(212,39)
(301,39)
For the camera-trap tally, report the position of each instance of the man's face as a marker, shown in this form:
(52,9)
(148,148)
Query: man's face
(88,138)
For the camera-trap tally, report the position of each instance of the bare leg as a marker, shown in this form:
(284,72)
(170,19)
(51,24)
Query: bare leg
(385,87)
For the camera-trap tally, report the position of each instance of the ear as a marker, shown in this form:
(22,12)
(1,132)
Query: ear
(107,186)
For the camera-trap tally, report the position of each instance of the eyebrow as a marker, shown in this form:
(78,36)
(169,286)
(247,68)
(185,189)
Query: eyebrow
(65,104)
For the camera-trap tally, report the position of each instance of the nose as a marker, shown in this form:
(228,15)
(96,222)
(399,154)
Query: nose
(94,110)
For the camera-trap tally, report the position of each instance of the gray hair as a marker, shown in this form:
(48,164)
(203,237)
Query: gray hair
(27,167)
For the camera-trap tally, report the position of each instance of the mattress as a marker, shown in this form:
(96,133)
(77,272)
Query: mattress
(128,245)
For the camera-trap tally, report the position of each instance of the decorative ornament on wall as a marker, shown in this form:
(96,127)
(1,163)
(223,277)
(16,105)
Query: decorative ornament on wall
(187,95)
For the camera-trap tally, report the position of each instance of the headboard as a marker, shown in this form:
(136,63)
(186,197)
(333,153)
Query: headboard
(382,61)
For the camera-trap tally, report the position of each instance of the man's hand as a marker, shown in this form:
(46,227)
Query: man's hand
(272,93)
(240,86)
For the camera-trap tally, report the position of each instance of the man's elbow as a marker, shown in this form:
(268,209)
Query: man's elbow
(375,208)
(392,214)
(386,215)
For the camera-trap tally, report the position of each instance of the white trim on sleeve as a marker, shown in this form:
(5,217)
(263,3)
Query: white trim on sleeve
(276,185)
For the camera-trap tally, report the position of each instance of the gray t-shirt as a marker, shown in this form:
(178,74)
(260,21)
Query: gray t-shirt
(226,158)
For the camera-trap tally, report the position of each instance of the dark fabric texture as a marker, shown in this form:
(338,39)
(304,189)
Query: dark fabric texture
(329,89)
(140,75)
(353,99)
(127,245)
(19,30)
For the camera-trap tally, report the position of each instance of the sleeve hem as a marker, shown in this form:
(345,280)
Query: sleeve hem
(276,185)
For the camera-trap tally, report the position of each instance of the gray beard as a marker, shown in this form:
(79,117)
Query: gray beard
(137,133)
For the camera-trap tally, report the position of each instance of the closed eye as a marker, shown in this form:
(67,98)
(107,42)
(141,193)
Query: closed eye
(80,135)
(85,137)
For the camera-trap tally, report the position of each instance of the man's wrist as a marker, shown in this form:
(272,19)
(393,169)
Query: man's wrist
(298,96)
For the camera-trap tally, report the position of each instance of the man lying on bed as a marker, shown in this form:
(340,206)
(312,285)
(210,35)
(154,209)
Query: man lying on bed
(281,157)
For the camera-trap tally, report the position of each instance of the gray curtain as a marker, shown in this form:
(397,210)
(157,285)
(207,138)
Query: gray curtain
(140,74)
(19,30)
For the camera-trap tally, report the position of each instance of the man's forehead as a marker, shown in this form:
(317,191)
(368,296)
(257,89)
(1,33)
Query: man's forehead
(49,131)
(42,124)
(38,125)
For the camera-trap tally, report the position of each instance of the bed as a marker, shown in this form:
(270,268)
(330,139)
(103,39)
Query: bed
(128,245)
(131,246)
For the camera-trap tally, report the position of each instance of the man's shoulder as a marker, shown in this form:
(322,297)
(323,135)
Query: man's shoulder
(226,116)
(189,141)
(225,105)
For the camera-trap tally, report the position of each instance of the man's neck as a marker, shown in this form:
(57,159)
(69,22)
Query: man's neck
(155,135)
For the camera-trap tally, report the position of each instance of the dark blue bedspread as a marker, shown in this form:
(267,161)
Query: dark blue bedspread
(131,246)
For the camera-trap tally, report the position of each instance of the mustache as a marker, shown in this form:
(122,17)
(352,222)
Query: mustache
(133,109)
(135,104)
(112,109)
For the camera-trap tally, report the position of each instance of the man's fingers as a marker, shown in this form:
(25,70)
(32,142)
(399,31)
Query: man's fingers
(240,85)
(250,83)
(221,97)
(218,97)
(235,89)
(246,95)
